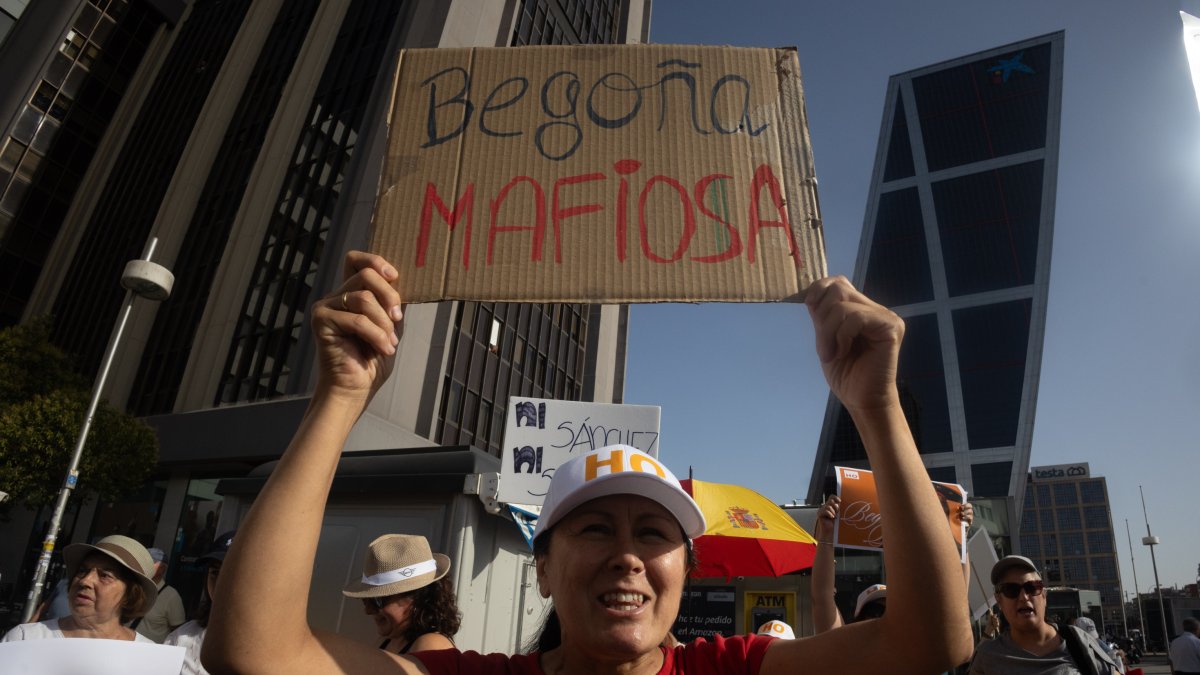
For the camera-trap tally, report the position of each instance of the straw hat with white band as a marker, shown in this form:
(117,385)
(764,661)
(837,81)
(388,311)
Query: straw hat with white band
(128,553)
(397,563)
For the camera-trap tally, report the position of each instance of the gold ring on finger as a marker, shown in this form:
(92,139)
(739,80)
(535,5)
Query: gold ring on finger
(345,307)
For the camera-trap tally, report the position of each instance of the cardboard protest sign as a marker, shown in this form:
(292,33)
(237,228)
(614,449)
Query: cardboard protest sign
(540,434)
(599,173)
(860,522)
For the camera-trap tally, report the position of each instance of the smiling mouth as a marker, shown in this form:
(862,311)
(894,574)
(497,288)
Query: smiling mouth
(623,602)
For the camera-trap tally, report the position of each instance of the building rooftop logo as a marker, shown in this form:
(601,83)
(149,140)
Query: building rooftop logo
(1005,67)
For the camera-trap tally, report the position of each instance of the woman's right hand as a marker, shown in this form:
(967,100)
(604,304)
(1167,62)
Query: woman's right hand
(826,518)
(355,329)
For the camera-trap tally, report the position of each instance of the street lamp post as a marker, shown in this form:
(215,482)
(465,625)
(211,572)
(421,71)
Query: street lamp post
(141,278)
(1152,541)
(1136,593)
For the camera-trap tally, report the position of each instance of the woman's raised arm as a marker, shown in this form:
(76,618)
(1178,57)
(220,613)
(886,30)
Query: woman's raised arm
(925,629)
(259,624)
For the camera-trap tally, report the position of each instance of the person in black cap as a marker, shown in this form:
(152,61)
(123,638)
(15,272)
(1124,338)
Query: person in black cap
(1031,646)
(190,635)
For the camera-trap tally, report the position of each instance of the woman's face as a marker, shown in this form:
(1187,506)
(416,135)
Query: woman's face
(97,590)
(615,569)
(392,617)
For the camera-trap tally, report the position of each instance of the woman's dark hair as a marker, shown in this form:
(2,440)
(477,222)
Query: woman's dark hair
(434,610)
(133,605)
(550,637)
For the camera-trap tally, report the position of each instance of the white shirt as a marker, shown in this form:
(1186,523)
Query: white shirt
(46,630)
(1185,653)
(190,636)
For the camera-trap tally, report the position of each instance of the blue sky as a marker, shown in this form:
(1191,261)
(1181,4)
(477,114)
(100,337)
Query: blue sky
(740,387)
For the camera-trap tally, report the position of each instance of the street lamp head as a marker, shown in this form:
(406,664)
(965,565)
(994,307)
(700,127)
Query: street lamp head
(148,280)
(1150,541)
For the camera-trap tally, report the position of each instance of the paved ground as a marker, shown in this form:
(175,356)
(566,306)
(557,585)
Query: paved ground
(1154,664)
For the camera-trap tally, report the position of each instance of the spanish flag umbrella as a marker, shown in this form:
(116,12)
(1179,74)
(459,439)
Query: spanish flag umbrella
(747,535)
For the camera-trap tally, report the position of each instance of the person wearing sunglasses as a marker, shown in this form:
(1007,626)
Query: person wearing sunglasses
(1031,646)
(405,591)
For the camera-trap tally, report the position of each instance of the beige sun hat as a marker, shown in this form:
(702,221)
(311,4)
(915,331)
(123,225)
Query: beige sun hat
(397,563)
(129,554)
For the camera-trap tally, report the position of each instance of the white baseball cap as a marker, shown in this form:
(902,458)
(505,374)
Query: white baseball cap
(777,628)
(873,593)
(617,470)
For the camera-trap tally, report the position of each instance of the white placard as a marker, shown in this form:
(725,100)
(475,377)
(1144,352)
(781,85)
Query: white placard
(979,584)
(71,656)
(540,434)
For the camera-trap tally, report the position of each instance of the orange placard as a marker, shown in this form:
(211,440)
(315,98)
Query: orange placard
(860,523)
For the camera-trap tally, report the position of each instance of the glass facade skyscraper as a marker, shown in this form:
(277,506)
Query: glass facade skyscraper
(956,240)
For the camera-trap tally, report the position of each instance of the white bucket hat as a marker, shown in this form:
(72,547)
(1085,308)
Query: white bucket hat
(397,563)
(616,470)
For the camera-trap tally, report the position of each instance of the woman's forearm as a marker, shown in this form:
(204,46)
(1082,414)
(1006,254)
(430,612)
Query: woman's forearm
(926,596)
(261,615)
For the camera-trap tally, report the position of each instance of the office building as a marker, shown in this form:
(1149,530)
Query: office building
(248,137)
(1066,529)
(956,240)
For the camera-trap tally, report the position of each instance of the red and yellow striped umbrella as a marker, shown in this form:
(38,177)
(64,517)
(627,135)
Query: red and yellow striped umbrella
(747,535)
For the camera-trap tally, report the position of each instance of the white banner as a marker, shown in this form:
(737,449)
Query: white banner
(979,583)
(68,656)
(540,434)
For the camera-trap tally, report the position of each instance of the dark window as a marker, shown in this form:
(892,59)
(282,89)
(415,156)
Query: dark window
(989,108)
(1071,543)
(1043,493)
(1068,518)
(990,479)
(1099,542)
(1050,544)
(1093,492)
(992,342)
(921,381)
(898,269)
(264,349)
(82,97)
(942,474)
(129,202)
(899,163)
(1028,520)
(1095,517)
(1065,495)
(175,325)
(1104,568)
(1075,570)
(1030,547)
(922,385)
(1051,569)
(1046,519)
(988,224)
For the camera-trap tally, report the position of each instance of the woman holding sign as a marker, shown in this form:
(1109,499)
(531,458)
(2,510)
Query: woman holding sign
(613,544)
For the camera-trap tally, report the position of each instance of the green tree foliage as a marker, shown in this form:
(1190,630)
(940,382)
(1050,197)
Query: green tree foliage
(42,404)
